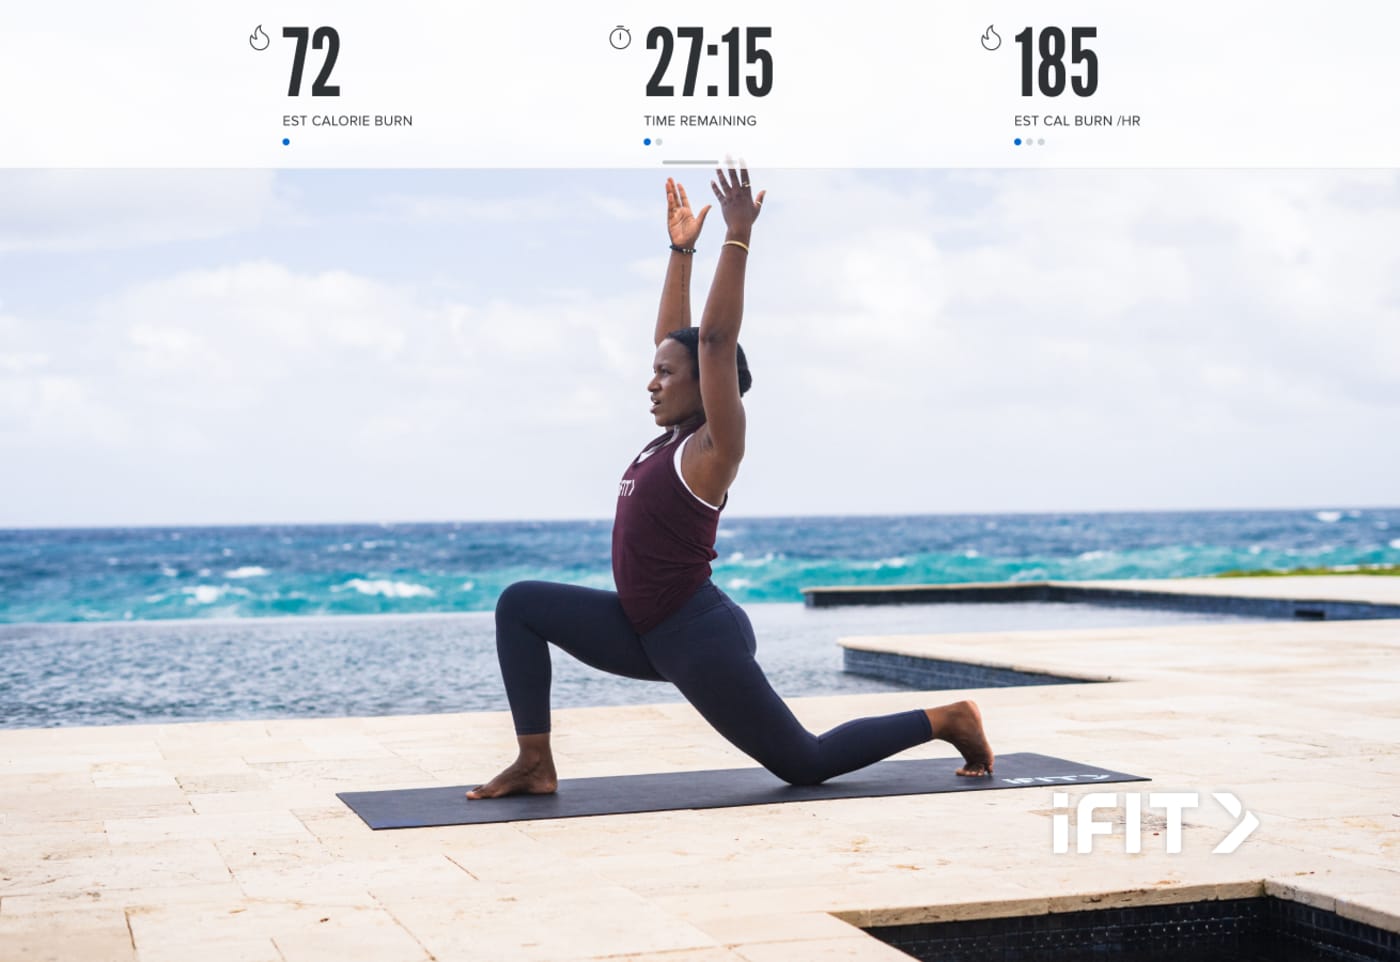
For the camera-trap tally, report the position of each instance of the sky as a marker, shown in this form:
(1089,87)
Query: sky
(227,347)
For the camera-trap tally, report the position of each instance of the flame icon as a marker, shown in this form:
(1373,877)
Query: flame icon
(990,39)
(258,40)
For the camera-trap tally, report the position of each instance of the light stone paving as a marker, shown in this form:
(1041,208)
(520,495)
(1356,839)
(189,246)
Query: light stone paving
(224,841)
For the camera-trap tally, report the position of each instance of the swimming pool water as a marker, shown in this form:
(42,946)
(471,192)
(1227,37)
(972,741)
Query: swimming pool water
(202,670)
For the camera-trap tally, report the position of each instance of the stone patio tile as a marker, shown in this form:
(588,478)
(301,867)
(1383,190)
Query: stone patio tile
(713,902)
(1316,799)
(952,909)
(507,853)
(1282,715)
(233,825)
(1334,882)
(1359,838)
(323,933)
(527,921)
(35,847)
(52,937)
(1380,907)
(680,955)
(132,775)
(210,764)
(210,783)
(344,835)
(55,782)
(348,882)
(314,727)
(282,798)
(345,774)
(248,853)
(74,759)
(193,864)
(868,949)
(105,803)
(778,927)
(254,751)
(189,897)
(222,934)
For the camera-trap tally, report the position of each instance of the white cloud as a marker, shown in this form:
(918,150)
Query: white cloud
(920,341)
(445,208)
(84,210)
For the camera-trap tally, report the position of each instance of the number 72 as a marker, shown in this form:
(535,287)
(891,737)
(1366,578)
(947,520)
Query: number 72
(324,35)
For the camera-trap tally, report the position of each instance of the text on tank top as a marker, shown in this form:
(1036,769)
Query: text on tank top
(663,535)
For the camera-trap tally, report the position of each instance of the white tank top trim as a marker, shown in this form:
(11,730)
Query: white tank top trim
(679,449)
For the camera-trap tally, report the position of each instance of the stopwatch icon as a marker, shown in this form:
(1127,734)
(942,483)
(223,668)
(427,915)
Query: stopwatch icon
(620,38)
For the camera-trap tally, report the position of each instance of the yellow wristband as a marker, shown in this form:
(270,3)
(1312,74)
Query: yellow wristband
(736,244)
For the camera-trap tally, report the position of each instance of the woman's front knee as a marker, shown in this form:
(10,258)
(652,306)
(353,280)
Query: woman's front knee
(517,598)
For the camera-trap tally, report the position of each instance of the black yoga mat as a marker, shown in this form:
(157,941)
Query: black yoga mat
(723,788)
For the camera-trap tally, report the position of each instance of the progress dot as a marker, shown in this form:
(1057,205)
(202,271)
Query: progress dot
(286,141)
(647,141)
(1018,141)
(1042,141)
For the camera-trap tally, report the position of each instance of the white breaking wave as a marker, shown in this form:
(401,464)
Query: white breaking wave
(168,571)
(1328,517)
(468,586)
(247,571)
(1093,555)
(208,594)
(386,588)
(738,583)
(1395,543)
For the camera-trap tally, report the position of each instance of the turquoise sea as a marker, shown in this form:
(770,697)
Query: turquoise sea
(104,626)
(123,574)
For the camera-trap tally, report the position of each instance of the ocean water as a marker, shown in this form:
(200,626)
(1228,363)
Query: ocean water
(107,626)
(143,574)
(214,669)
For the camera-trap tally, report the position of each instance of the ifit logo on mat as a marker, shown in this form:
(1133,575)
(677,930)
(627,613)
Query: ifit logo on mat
(1173,803)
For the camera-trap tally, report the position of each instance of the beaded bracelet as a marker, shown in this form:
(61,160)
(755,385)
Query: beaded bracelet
(682,250)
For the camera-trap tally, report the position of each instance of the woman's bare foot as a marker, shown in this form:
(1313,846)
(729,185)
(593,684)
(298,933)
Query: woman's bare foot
(961,725)
(532,773)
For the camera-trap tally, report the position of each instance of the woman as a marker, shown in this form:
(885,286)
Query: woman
(667,620)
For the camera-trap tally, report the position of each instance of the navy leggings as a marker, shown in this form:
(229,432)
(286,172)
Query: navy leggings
(706,650)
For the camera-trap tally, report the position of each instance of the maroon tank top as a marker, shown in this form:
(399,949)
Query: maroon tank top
(663,537)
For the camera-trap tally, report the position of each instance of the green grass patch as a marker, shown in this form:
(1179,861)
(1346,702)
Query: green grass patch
(1393,570)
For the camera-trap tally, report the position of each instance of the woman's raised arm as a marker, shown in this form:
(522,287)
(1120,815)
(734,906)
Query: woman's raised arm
(684,228)
(719,324)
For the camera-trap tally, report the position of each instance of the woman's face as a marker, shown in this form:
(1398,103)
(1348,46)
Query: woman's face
(675,386)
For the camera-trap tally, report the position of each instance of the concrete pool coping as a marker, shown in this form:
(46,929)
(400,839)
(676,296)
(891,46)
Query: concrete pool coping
(1281,596)
(223,841)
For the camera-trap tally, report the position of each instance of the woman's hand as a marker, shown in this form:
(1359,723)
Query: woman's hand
(680,221)
(736,201)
